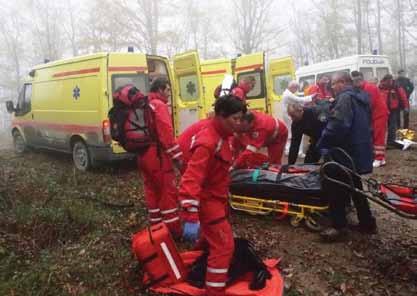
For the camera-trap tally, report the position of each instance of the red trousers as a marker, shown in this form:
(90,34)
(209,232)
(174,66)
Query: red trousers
(160,189)
(216,233)
(277,146)
(380,129)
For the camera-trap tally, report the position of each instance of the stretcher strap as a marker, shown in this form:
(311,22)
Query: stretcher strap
(255,175)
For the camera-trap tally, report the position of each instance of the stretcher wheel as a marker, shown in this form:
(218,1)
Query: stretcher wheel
(295,221)
(313,222)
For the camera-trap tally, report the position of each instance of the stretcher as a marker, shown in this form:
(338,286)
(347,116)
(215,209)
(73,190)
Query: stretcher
(296,191)
(292,191)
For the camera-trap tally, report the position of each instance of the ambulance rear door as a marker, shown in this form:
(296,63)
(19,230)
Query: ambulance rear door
(280,72)
(212,75)
(188,89)
(253,65)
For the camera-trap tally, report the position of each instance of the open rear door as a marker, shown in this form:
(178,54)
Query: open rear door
(280,72)
(212,74)
(253,65)
(188,90)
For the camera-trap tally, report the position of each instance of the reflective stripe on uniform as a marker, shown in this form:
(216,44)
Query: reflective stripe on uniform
(192,210)
(251,148)
(219,145)
(155,219)
(217,270)
(173,210)
(154,210)
(191,202)
(171,220)
(275,133)
(192,141)
(172,149)
(216,284)
(177,155)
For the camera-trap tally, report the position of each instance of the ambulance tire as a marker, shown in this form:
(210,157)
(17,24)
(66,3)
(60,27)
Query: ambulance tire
(81,156)
(19,143)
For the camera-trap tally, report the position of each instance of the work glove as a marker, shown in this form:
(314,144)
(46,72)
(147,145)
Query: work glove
(190,231)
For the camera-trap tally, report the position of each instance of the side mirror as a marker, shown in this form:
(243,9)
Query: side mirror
(10,107)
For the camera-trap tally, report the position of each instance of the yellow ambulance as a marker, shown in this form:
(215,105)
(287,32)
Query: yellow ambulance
(64,104)
(195,82)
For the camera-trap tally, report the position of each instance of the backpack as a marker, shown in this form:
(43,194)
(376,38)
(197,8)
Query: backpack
(131,120)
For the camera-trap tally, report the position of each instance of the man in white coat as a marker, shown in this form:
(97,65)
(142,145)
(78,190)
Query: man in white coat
(289,97)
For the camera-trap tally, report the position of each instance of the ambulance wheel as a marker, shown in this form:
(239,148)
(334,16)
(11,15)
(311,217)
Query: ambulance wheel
(19,143)
(81,156)
(313,222)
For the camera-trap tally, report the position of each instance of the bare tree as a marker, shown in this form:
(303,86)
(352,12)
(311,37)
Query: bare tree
(251,26)
(143,18)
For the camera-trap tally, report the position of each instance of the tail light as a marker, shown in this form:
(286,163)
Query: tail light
(106,131)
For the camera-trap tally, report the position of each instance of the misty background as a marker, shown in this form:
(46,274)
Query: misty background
(310,31)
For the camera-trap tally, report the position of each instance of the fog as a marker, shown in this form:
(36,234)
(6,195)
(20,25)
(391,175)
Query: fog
(311,31)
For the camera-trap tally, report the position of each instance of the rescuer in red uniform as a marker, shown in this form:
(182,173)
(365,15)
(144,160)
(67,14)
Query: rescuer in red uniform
(396,99)
(156,164)
(321,89)
(258,130)
(379,116)
(204,190)
(244,87)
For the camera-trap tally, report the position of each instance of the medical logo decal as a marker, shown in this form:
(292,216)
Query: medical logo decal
(191,89)
(76,92)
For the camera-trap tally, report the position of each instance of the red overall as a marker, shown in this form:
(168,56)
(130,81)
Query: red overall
(203,195)
(320,90)
(157,169)
(380,113)
(266,132)
(187,137)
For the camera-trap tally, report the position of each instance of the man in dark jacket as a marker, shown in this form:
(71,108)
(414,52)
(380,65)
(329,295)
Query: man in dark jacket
(408,86)
(305,121)
(349,128)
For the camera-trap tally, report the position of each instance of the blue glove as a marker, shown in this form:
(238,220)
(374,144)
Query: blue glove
(191,231)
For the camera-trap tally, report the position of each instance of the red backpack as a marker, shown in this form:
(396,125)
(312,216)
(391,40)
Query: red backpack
(131,120)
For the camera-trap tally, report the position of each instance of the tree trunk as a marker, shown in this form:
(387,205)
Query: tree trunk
(378,26)
(359,26)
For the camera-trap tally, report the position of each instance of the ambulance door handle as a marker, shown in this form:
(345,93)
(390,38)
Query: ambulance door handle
(33,117)
(193,109)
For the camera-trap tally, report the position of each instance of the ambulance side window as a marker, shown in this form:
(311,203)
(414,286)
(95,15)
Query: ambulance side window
(24,104)
(305,82)
(189,88)
(281,83)
(157,68)
(368,73)
(259,90)
(138,80)
(381,72)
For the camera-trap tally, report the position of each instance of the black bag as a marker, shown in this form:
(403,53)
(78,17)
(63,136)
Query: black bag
(244,260)
(131,120)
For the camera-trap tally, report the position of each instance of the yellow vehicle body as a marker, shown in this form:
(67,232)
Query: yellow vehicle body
(64,105)
(204,76)
(280,72)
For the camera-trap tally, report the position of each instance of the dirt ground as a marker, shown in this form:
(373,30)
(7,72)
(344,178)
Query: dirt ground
(63,232)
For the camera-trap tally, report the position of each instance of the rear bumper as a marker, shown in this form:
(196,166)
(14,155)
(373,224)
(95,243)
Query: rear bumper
(106,154)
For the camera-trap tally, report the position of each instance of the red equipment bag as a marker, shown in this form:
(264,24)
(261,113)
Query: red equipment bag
(403,198)
(131,120)
(155,249)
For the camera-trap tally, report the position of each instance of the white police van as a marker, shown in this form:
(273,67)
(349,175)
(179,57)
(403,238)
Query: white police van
(373,67)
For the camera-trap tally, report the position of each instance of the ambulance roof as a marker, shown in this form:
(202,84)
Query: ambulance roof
(332,65)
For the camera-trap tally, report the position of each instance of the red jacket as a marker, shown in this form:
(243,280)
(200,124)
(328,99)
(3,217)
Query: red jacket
(207,172)
(378,104)
(265,129)
(163,125)
(188,136)
(320,90)
(241,90)
(394,96)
